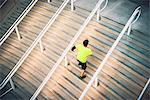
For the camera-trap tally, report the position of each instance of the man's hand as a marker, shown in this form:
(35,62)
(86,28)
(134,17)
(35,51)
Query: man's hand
(73,48)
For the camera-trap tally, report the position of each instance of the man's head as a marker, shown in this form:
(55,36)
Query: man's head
(86,42)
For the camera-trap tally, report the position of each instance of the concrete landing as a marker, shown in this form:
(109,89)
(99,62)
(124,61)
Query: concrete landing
(120,11)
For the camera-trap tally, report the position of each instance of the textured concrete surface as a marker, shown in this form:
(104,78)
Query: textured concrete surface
(6,8)
(121,10)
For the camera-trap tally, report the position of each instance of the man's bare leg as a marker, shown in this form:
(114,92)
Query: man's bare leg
(82,73)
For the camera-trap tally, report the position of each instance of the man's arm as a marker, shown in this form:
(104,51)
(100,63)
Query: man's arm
(73,48)
(90,52)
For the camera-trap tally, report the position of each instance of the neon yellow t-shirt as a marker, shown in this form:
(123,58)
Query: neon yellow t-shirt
(83,52)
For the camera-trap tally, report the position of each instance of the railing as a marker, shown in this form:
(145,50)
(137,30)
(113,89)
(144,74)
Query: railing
(67,49)
(132,19)
(38,39)
(144,89)
(14,25)
(12,86)
(3,3)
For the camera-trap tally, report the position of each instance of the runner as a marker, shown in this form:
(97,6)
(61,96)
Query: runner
(82,53)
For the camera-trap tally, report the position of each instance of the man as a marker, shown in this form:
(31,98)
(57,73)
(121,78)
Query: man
(82,53)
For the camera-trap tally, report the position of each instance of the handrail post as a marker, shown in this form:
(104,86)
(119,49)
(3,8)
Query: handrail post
(61,58)
(12,28)
(109,52)
(129,30)
(12,84)
(19,19)
(12,88)
(41,46)
(145,87)
(66,62)
(98,15)
(138,15)
(36,41)
(96,82)
(72,6)
(49,1)
(101,9)
(18,35)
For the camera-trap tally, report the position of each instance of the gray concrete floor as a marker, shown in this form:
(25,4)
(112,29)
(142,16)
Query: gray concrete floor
(120,11)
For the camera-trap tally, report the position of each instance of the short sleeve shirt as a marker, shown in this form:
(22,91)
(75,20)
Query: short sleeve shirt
(83,53)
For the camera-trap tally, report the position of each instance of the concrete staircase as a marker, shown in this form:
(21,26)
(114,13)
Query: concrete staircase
(35,68)
(13,49)
(123,77)
(12,16)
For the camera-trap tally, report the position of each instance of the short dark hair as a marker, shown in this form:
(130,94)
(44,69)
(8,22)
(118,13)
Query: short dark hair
(86,42)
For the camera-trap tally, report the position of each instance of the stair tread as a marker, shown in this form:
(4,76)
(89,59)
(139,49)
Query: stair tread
(144,41)
(122,76)
(19,7)
(145,58)
(127,58)
(125,46)
(114,33)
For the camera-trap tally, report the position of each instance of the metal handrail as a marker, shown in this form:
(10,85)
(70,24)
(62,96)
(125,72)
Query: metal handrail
(12,88)
(144,89)
(3,3)
(17,66)
(131,19)
(19,19)
(106,2)
(66,50)
(138,9)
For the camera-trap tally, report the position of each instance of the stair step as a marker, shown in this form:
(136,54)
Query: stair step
(122,43)
(62,82)
(93,72)
(122,77)
(60,87)
(123,51)
(29,31)
(124,38)
(22,86)
(50,93)
(15,13)
(113,57)
(75,70)
(113,23)
(133,36)
(90,72)
(25,28)
(52,51)
(130,59)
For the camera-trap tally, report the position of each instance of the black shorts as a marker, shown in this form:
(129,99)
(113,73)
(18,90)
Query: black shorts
(82,64)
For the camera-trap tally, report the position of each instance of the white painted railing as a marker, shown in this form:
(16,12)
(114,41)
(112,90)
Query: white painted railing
(144,89)
(16,23)
(66,50)
(36,41)
(12,87)
(131,20)
(3,3)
